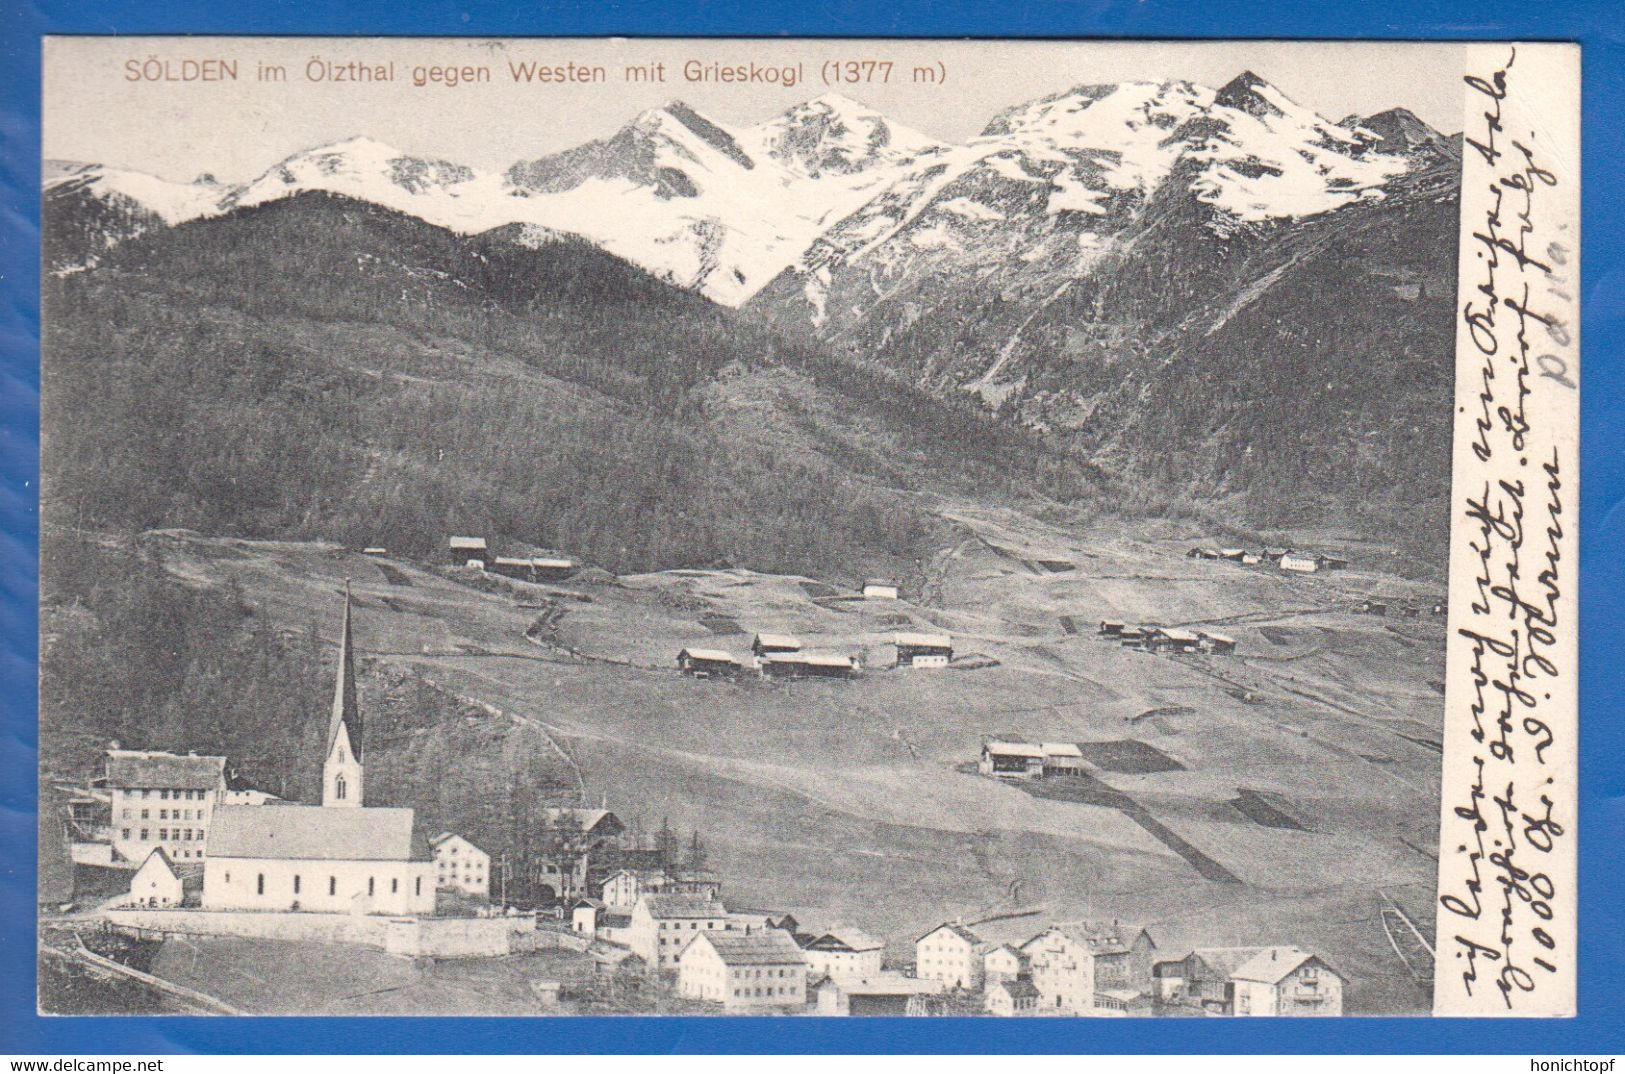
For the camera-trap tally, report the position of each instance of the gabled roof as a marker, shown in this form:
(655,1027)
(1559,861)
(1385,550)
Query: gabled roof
(163,859)
(1013,749)
(1222,639)
(777,641)
(1178,634)
(1224,961)
(1060,749)
(446,837)
(589,819)
(1099,937)
(844,938)
(958,930)
(684,906)
(143,768)
(1016,987)
(771,947)
(316,833)
(924,641)
(1272,964)
(718,655)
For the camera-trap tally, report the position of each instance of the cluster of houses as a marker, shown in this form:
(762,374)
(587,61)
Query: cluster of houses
(1286,559)
(1157,639)
(1106,969)
(473,553)
(781,656)
(762,962)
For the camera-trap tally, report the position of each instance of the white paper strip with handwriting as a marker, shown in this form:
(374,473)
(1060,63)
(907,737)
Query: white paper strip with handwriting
(1506,916)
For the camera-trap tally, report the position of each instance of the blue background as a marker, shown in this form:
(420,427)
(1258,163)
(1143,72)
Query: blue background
(1599,26)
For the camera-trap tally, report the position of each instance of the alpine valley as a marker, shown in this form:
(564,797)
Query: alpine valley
(1083,371)
(1216,294)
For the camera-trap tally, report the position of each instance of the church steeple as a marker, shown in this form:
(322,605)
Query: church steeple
(342,770)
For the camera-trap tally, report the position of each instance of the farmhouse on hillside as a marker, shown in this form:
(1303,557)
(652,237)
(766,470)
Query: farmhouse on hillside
(707,663)
(923,650)
(765,645)
(880,589)
(468,552)
(1300,562)
(1011,760)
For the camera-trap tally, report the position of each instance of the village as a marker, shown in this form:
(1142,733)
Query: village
(203,854)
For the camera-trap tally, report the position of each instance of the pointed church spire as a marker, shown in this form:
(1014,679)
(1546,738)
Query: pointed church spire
(342,771)
(346,712)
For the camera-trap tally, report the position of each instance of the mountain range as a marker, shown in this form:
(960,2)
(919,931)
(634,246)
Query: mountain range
(1217,294)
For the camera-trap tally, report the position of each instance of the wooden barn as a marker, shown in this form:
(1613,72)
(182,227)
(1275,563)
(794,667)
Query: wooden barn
(468,552)
(923,650)
(1217,643)
(706,663)
(1111,628)
(1011,760)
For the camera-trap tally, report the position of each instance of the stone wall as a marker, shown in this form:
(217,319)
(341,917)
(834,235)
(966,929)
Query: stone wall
(417,937)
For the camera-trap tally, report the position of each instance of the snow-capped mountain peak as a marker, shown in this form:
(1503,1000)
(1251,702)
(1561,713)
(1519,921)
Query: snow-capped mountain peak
(834,134)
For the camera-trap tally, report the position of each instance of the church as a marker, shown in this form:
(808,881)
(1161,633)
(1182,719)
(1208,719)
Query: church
(341,856)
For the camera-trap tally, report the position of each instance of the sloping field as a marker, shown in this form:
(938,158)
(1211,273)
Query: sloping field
(850,800)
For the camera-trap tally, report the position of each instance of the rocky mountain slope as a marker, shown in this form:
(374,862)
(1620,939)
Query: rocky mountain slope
(1217,291)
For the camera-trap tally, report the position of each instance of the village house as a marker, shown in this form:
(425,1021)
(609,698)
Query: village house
(1275,555)
(584,915)
(622,888)
(1003,963)
(571,837)
(707,663)
(1221,644)
(923,650)
(662,925)
(1074,963)
(157,883)
(843,952)
(339,856)
(157,799)
(1011,760)
(1333,563)
(757,973)
(1251,559)
(459,865)
(881,589)
(1287,982)
(1111,628)
(1011,997)
(748,921)
(1133,637)
(807,665)
(468,552)
(882,995)
(780,645)
(1234,555)
(1300,562)
(695,882)
(952,954)
(1201,980)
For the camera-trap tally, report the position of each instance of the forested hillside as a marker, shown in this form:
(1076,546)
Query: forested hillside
(322,368)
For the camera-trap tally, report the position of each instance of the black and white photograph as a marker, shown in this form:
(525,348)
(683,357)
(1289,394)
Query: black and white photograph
(734,527)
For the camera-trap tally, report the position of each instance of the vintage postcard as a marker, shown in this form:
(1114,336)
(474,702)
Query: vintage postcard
(808,527)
